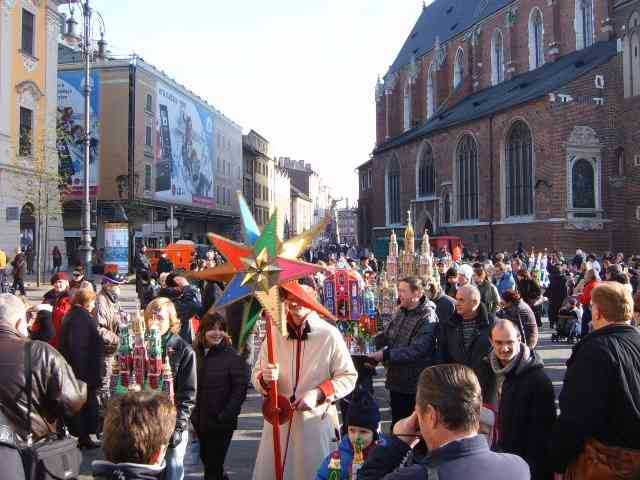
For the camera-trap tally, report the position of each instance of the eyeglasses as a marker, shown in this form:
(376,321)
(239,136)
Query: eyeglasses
(77,274)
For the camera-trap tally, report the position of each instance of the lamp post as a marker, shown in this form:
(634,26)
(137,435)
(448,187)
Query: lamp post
(85,236)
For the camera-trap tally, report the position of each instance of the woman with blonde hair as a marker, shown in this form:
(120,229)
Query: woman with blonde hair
(161,314)
(81,345)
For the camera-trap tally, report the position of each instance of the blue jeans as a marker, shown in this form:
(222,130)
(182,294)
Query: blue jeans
(175,459)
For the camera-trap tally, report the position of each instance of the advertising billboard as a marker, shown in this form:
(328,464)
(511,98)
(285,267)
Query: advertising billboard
(116,246)
(185,149)
(71,132)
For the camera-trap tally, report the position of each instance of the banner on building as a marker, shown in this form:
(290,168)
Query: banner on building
(184,149)
(116,246)
(71,131)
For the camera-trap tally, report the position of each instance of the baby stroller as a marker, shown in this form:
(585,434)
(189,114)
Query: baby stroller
(568,326)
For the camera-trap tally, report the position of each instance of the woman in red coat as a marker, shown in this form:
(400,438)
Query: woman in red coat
(58,297)
(591,281)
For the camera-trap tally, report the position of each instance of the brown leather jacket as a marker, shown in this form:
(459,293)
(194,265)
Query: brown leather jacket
(55,390)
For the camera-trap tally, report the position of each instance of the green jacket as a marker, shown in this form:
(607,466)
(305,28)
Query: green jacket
(489,296)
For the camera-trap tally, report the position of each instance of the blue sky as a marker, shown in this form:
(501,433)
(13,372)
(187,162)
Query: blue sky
(301,73)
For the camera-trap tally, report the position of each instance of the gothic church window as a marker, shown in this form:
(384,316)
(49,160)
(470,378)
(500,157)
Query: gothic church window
(467,178)
(584,24)
(431,92)
(519,171)
(426,173)
(635,62)
(393,192)
(497,58)
(458,68)
(536,39)
(406,105)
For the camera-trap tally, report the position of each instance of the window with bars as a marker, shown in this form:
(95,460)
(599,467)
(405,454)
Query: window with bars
(26,132)
(519,171)
(536,39)
(497,58)
(393,192)
(467,171)
(426,173)
(28,33)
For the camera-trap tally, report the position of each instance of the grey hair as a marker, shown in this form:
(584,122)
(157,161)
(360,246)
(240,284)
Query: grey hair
(473,292)
(12,309)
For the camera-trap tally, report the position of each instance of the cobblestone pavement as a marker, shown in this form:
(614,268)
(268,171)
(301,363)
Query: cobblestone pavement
(242,453)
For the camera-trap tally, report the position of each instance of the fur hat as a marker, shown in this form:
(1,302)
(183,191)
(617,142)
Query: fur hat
(59,276)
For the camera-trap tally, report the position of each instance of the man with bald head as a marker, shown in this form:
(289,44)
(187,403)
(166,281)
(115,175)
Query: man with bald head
(464,338)
(314,370)
(515,385)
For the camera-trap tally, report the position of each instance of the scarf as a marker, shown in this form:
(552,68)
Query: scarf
(501,372)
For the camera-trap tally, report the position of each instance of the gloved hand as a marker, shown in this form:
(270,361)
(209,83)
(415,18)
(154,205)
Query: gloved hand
(176,438)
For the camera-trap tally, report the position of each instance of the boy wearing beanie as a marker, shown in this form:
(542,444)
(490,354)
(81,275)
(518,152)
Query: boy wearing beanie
(363,420)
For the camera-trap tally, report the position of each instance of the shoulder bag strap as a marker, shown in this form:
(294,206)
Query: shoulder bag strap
(28,386)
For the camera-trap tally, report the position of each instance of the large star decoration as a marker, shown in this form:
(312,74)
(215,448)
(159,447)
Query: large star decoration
(261,269)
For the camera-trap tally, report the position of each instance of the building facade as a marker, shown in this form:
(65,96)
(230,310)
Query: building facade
(281,188)
(158,152)
(258,169)
(347,219)
(508,122)
(301,212)
(30,196)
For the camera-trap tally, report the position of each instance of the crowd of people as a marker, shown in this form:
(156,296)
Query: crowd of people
(468,391)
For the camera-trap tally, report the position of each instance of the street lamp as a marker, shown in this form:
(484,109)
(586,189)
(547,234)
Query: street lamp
(85,233)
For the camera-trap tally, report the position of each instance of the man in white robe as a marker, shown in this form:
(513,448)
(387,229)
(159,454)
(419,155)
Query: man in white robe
(326,373)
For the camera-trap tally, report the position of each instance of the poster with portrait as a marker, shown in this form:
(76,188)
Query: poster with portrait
(185,149)
(71,132)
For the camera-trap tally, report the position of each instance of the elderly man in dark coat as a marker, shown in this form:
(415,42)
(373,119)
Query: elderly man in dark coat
(516,386)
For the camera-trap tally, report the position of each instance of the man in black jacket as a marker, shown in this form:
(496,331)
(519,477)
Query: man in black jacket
(597,432)
(516,386)
(141,264)
(187,300)
(407,346)
(465,337)
(447,418)
(56,390)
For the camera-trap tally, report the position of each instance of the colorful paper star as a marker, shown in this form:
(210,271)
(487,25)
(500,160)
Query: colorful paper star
(261,268)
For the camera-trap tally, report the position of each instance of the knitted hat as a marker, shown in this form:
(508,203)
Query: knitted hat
(466,271)
(59,276)
(363,411)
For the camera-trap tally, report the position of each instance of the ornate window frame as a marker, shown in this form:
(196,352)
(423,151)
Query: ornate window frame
(584,144)
(28,96)
(30,62)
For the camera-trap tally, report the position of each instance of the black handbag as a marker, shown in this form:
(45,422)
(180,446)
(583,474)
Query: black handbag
(55,457)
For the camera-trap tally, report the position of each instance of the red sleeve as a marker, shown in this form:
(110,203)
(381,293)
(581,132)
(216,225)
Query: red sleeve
(327,389)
